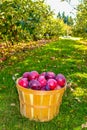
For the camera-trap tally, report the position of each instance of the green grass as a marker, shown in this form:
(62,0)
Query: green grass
(64,56)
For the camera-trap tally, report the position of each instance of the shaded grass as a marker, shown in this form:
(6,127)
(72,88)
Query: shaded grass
(64,56)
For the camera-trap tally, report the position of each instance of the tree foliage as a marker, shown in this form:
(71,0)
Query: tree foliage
(27,20)
(12,13)
(80,25)
(80,28)
(66,19)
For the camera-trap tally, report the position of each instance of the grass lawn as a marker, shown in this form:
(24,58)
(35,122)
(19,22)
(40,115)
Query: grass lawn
(68,57)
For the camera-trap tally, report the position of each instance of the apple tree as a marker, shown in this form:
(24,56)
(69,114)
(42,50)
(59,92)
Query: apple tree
(23,20)
(80,28)
(27,20)
(39,19)
(12,13)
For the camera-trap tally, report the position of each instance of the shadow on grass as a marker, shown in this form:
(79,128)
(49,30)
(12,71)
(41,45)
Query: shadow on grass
(65,56)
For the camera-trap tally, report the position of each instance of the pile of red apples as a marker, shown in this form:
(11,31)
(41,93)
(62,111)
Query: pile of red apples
(45,81)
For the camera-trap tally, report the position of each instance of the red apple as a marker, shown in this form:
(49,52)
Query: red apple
(58,87)
(47,88)
(42,81)
(26,74)
(43,88)
(50,75)
(52,84)
(34,84)
(61,80)
(33,75)
(43,74)
(23,82)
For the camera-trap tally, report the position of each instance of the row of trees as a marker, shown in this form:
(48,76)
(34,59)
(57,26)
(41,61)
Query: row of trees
(33,20)
(80,24)
(80,28)
(28,20)
(66,19)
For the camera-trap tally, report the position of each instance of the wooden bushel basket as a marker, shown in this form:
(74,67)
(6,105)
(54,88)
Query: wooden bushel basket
(39,105)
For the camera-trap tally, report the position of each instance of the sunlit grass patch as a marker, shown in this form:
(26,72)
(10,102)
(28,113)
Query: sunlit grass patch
(79,92)
(63,56)
(81,47)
